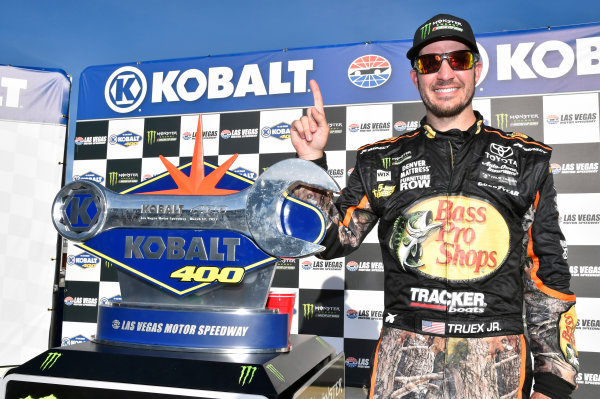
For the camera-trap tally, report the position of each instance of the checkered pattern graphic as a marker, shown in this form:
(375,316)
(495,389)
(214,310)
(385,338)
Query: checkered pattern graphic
(340,299)
(30,176)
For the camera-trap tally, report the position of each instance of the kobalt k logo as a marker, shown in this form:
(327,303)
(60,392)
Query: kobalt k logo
(80,210)
(125,89)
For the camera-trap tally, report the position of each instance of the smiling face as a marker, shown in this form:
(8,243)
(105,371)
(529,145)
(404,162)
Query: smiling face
(447,93)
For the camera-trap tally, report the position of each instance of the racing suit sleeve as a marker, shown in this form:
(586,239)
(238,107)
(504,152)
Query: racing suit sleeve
(349,218)
(549,303)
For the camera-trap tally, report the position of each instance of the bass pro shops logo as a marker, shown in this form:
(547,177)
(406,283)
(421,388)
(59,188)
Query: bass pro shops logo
(456,238)
(125,89)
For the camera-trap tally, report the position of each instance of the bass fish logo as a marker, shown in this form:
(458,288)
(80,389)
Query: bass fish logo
(408,236)
(451,238)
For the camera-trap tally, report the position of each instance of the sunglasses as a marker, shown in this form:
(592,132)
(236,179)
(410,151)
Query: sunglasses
(460,60)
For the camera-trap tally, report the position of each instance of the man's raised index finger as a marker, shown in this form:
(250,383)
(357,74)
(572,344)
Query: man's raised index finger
(317,95)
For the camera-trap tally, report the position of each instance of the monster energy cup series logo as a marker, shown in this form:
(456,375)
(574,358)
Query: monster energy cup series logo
(425,30)
(246,375)
(386,162)
(502,121)
(151,136)
(50,360)
(309,310)
(113,178)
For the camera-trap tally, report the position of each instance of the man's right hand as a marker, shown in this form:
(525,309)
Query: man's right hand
(310,133)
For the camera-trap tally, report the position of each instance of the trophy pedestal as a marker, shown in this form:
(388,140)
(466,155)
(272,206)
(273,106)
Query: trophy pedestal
(192,329)
(93,371)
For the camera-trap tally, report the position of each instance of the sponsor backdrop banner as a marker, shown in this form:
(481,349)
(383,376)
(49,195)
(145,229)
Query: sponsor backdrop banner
(544,83)
(33,105)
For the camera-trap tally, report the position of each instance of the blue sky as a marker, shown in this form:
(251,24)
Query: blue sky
(72,35)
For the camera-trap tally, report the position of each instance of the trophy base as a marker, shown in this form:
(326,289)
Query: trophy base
(94,371)
(193,329)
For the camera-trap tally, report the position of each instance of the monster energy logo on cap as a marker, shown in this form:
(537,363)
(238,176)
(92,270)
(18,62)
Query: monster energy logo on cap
(246,375)
(151,136)
(275,372)
(309,310)
(502,121)
(425,30)
(50,360)
(113,178)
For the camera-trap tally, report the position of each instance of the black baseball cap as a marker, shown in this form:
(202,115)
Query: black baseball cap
(442,27)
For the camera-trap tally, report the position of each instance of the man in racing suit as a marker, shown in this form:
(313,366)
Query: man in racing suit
(468,228)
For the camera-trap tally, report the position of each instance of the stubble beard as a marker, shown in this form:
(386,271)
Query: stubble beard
(441,112)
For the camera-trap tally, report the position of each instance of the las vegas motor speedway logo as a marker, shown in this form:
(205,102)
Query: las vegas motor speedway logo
(369,71)
(455,238)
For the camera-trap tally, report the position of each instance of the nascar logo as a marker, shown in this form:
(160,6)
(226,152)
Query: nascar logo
(369,71)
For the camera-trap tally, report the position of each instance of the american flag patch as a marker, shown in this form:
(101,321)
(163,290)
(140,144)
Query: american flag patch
(436,327)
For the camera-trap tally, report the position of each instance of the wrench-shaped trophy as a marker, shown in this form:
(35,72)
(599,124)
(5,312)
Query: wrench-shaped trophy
(85,212)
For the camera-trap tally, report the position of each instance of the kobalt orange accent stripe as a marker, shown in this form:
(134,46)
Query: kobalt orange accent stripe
(518,138)
(536,265)
(363,202)
(392,140)
(523,367)
(374,369)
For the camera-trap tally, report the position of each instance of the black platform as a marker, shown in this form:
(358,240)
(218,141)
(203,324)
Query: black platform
(90,370)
